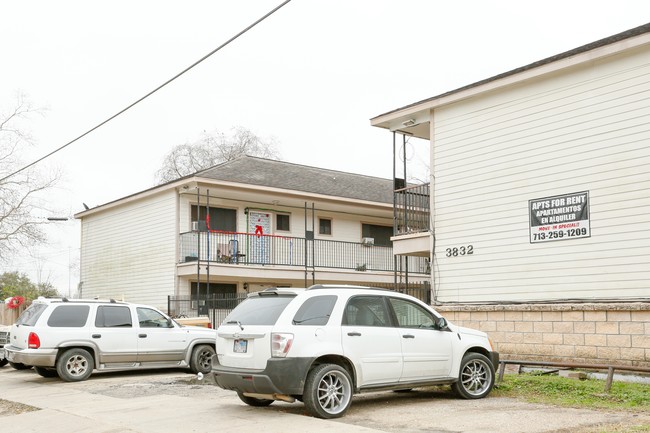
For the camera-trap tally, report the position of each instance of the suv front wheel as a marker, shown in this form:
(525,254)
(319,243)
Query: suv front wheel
(328,391)
(75,365)
(476,377)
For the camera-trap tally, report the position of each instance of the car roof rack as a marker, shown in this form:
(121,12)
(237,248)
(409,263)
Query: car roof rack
(343,286)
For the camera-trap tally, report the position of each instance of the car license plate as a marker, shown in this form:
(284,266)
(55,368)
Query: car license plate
(240,346)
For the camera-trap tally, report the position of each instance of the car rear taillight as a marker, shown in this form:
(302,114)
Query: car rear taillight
(33,342)
(280,344)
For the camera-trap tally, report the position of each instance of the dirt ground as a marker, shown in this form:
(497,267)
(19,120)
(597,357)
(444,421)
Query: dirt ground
(428,410)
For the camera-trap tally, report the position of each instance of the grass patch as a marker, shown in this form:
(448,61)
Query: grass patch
(587,394)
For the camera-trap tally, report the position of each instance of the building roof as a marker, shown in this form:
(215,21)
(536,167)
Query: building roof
(251,170)
(645,28)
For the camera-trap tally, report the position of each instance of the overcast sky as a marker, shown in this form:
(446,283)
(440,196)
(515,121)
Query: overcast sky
(311,77)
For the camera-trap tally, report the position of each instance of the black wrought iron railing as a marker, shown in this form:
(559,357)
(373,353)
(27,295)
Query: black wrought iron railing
(251,249)
(412,209)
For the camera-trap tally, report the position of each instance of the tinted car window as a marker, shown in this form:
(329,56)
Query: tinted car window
(69,316)
(31,315)
(315,311)
(366,311)
(109,317)
(411,315)
(262,310)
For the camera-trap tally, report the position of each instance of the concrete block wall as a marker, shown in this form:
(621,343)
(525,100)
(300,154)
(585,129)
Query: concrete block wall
(614,333)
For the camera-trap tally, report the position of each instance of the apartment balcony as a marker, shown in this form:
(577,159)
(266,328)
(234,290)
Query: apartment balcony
(412,221)
(244,254)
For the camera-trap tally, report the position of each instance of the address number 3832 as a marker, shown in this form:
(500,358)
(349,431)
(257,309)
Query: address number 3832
(464,250)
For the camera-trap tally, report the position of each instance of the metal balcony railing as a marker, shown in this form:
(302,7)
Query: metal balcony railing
(412,211)
(251,249)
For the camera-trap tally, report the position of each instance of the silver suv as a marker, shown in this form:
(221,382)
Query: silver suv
(4,340)
(71,338)
(323,344)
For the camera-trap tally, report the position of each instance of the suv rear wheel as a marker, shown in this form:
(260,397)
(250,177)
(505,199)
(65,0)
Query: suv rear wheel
(328,391)
(476,377)
(75,365)
(201,361)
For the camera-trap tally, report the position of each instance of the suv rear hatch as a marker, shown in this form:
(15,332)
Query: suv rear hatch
(25,324)
(245,339)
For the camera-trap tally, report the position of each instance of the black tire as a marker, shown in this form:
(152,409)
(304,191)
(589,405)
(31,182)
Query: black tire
(252,401)
(46,372)
(475,378)
(201,361)
(75,365)
(19,366)
(3,362)
(328,391)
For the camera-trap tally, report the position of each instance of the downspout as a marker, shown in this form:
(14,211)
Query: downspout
(394,208)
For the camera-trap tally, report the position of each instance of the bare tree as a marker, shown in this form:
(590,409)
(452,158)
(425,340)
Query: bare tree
(20,194)
(212,149)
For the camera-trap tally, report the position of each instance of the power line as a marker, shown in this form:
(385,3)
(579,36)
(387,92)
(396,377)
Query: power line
(151,92)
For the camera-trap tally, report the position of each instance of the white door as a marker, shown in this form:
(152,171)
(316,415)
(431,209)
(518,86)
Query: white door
(426,351)
(115,334)
(370,342)
(158,338)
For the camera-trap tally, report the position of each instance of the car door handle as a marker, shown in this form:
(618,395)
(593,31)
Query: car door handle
(354,334)
(97,335)
(408,336)
(142,335)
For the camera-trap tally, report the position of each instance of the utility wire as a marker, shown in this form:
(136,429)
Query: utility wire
(150,93)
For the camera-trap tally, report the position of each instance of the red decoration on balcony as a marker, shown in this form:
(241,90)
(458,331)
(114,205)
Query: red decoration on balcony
(15,302)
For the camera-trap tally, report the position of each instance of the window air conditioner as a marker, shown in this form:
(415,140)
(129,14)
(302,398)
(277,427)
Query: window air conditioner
(195,226)
(368,241)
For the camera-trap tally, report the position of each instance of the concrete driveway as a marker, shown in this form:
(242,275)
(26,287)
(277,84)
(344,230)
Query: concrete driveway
(175,401)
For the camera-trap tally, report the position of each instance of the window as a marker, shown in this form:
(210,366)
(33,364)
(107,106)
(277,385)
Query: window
(411,315)
(381,234)
(113,317)
(69,316)
(261,310)
(220,219)
(324,226)
(31,315)
(213,295)
(366,311)
(149,318)
(315,311)
(282,222)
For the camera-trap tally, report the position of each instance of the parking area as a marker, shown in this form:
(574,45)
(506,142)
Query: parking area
(174,400)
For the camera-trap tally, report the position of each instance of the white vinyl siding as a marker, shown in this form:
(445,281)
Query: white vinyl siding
(584,129)
(130,251)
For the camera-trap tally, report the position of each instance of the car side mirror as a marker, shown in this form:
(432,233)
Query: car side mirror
(441,323)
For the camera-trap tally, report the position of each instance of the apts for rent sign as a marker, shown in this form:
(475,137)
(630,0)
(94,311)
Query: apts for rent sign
(559,217)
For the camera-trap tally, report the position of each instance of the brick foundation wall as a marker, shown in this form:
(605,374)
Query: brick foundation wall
(615,333)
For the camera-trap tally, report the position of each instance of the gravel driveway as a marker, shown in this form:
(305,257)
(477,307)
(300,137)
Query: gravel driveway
(431,411)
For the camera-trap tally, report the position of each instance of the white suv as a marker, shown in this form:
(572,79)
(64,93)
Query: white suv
(323,344)
(71,338)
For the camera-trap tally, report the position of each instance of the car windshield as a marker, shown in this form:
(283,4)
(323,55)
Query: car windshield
(263,310)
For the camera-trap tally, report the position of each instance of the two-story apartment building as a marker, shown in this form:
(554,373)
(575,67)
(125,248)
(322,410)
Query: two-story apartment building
(242,226)
(538,206)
